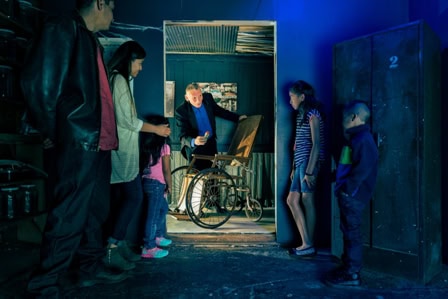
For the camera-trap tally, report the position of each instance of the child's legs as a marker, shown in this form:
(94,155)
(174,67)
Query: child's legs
(308,201)
(310,214)
(301,203)
(161,226)
(154,194)
(351,209)
(293,201)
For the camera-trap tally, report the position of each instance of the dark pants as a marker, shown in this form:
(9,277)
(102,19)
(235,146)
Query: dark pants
(126,200)
(80,207)
(208,149)
(351,211)
(50,167)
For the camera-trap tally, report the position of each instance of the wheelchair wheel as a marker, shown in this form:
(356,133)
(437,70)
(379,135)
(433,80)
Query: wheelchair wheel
(253,209)
(210,198)
(178,187)
(236,203)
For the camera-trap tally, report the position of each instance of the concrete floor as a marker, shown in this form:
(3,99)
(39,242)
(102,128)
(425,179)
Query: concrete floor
(238,260)
(18,258)
(238,223)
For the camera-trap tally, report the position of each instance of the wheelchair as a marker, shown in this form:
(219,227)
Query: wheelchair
(211,196)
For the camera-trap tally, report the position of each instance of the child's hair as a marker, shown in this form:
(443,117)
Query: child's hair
(151,144)
(359,108)
(301,87)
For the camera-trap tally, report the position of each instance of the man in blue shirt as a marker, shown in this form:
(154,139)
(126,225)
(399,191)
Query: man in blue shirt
(196,120)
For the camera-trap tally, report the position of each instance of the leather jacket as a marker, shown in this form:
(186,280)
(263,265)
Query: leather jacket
(60,83)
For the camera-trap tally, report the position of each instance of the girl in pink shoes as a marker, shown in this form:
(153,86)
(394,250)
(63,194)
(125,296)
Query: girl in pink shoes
(156,176)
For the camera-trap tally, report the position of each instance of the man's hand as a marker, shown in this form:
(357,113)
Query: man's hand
(242,117)
(200,140)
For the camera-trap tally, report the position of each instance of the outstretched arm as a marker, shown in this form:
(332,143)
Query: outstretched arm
(161,130)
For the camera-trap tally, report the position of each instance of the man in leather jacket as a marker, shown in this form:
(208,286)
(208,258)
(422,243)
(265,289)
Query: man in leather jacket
(69,102)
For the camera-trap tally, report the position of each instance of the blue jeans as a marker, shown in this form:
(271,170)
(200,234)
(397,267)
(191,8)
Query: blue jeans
(126,199)
(157,210)
(298,184)
(351,210)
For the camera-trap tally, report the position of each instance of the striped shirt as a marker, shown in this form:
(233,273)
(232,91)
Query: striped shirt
(303,142)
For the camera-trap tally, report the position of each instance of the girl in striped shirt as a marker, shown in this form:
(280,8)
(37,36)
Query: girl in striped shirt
(308,156)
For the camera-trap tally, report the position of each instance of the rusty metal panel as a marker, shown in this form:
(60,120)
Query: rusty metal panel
(201,39)
(219,38)
(402,229)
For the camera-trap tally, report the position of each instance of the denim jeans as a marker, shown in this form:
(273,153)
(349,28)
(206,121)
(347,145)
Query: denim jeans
(298,184)
(127,198)
(351,211)
(157,210)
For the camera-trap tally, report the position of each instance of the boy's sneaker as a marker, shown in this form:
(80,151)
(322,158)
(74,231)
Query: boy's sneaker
(154,253)
(114,260)
(126,252)
(340,279)
(161,241)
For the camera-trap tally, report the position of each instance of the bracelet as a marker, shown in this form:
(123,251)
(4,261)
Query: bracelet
(309,174)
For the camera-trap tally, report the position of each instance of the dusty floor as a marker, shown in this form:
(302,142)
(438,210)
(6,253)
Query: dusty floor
(238,266)
(222,264)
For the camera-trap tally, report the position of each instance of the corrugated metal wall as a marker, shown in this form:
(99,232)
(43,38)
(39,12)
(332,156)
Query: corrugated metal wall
(261,182)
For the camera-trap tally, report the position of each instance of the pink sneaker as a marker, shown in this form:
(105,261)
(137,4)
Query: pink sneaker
(154,253)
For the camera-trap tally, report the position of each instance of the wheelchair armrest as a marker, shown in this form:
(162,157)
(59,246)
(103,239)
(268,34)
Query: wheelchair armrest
(234,159)
(203,157)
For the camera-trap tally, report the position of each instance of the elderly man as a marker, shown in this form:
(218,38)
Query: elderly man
(196,118)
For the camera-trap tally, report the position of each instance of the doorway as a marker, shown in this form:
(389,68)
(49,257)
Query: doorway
(241,54)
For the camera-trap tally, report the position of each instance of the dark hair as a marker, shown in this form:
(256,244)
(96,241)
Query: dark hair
(301,87)
(83,4)
(121,60)
(151,144)
(123,57)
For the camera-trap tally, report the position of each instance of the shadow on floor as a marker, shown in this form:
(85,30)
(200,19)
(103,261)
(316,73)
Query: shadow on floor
(238,266)
(222,264)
